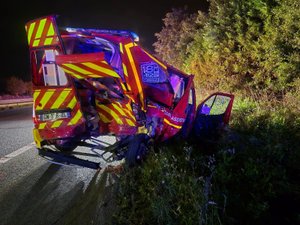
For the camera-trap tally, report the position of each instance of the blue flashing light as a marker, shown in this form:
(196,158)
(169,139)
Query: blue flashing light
(124,33)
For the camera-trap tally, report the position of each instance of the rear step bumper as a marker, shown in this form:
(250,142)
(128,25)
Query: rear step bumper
(61,158)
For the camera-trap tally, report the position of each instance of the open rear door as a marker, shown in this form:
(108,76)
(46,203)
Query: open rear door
(56,109)
(213,115)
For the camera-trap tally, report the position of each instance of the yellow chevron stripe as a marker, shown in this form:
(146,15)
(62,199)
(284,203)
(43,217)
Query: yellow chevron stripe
(76,118)
(130,123)
(135,73)
(45,99)
(104,118)
(51,30)
(77,68)
(101,69)
(171,124)
(123,86)
(94,76)
(37,138)
(119,109)
(36,94)
(128,110)
(30,31)
(48,41)
(72,103)
(129,87)
(111,112)
(72,73)
(130,114)
(61,98)
(36,43)
(125,70)
(56,123)
(42,125)
(121,48)
(158,62)
(40,28)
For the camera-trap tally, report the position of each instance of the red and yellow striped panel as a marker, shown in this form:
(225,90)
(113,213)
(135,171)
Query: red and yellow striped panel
(82,66)
(131,74)
(51,99)
(42,32)
(117,112)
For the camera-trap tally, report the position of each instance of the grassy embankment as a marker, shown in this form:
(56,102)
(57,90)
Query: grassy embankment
(250,176)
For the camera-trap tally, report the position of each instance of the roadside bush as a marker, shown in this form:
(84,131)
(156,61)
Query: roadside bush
(16,86)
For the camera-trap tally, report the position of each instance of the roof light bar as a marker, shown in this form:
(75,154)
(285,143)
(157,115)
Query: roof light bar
(123,33)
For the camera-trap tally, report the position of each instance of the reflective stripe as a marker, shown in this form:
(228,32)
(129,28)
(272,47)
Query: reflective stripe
(171,124)
(30,31)
(41,32)
(158,62)
(40,28)
(48,41)
(77,68)
(36,94)
(129,88)
(119,109)
(72,103)
(36,43)
(37,138)
(51,30)
(121,48)
(104,118)
(128,110)
(123,86)
(42,125)
(135,73)
(101,69)
(45,99)
(56,123)
(72,73)
(75,119)
(130,122)
(125,70)
(61,98)
(112,113)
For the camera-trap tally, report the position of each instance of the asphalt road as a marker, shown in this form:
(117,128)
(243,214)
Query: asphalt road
(15,129)
(36,192)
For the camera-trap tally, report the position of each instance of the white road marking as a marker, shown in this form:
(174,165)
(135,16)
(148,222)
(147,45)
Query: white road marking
(8,157)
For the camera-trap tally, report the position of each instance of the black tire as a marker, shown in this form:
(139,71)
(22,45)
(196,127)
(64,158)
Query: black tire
(137,150)
(65,145)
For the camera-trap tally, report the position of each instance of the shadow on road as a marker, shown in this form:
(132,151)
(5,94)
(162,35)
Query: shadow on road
(60,197)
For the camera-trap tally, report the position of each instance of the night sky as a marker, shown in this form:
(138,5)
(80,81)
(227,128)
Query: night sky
(142,17)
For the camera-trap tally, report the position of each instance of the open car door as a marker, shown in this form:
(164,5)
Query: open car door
(213,115)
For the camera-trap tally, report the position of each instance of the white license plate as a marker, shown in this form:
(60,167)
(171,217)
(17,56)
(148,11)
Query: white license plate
(54,116)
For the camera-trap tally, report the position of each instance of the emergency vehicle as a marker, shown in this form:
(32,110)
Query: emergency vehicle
(93,82)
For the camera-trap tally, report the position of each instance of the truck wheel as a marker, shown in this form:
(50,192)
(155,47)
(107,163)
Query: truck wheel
(137,150)
(65,145)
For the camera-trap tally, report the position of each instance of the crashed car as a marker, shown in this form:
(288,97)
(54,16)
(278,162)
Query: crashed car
(89,83)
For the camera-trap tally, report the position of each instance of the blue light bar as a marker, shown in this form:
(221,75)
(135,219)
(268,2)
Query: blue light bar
(123,33)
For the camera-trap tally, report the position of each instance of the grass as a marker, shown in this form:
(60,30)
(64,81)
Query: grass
(251,176)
